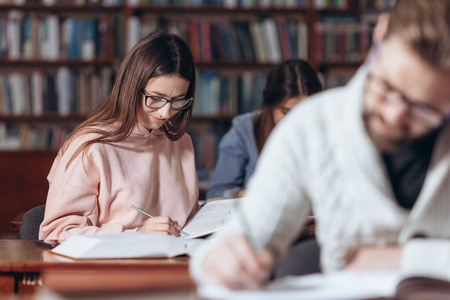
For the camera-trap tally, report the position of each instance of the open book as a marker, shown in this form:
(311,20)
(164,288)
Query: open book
(212,217)
(124,245)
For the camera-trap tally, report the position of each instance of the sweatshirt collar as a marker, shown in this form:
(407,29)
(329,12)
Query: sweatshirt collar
(140,130)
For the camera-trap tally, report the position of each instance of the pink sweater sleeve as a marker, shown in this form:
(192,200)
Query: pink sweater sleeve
(72,206)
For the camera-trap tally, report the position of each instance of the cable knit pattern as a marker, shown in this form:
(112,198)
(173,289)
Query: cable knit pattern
(320,157)
(94,195)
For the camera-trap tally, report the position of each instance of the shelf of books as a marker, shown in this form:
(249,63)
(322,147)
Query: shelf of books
(56,64)
(342,36)
(58,57)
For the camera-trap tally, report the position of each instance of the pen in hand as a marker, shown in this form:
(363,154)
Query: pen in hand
(147,214)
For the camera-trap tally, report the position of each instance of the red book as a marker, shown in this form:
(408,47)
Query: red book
(318,28)
(206,41)
(285,43)
(194,40)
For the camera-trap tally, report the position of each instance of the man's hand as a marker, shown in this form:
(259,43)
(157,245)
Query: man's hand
(235,264)
(376,258)
(162,225)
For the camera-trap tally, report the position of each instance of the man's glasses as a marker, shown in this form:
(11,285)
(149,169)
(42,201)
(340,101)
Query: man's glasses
(156,102)
(421,111)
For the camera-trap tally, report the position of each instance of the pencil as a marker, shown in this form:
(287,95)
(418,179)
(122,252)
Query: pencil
(147,214)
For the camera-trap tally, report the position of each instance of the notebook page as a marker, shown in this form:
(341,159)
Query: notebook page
(211,217)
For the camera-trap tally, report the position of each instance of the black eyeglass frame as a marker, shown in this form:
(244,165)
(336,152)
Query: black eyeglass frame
(159,98)
(373,59)
(423,111)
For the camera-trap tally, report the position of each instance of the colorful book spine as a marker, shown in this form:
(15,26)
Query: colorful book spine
(224,94)
(26,35)
(69,91)
(341,40)
(214,41)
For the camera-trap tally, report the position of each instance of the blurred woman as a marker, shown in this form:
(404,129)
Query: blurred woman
(287,84)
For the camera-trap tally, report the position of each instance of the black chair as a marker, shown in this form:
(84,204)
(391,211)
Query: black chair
(31,221)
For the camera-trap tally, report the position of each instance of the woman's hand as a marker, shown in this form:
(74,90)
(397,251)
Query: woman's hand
(235,264)
(161,225)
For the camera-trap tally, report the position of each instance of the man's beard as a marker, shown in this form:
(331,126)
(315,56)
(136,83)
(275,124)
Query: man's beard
(382,143)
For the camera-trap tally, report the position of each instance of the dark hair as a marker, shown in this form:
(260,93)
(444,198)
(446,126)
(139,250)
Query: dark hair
(292,78)
(157,54)
(425,27)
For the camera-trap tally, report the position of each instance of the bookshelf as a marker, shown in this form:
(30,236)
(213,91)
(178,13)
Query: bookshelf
(58,58)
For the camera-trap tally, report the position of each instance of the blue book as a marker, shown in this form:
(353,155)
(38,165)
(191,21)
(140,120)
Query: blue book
(206,93)
(224,95)
(50,97)
(1,37)
(72,38)
(89,29)
(76,37)
(26,37)
(89,37)
(6,94)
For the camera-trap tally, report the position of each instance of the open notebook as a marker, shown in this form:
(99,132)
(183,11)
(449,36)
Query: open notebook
(124,245)
(212,217)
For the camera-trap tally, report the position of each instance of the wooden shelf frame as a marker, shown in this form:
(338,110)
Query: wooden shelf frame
(59,8)
(47,63)
(217,10)
(48,117)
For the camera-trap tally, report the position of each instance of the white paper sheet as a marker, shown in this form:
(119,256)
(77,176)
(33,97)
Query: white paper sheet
(346,285)
(212,217)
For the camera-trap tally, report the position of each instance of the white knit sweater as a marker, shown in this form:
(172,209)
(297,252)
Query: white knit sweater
(321,157)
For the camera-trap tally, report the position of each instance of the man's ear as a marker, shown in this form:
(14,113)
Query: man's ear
(374,55)
(380,30)
(378,36)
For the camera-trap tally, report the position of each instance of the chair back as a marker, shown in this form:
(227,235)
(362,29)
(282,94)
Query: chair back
(31,221)
(302,258)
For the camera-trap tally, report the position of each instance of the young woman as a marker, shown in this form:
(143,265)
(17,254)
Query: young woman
(132,150)
(287,84)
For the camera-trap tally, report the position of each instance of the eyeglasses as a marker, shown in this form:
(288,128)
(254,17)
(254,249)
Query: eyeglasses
(421,111)
(156,102)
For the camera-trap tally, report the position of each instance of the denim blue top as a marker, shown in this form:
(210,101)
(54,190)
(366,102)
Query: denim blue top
(238,155)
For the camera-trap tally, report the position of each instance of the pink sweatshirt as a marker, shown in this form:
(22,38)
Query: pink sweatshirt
(94,195)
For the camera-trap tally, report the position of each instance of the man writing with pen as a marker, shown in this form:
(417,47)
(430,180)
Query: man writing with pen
(371,159)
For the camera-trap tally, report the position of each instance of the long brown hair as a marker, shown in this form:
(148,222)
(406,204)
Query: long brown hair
(292,78)
(157,54)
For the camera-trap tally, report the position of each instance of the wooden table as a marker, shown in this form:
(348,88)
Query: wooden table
(25,265)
